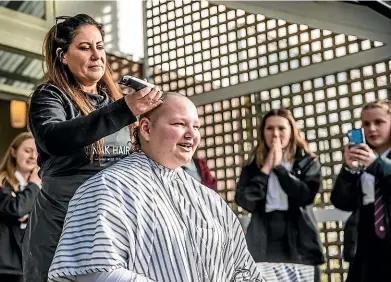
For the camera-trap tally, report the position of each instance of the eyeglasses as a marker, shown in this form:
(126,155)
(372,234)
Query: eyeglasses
(61,19)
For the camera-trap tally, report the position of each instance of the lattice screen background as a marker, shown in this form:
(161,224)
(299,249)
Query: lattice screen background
(195,47)
(325,109)
(124,66)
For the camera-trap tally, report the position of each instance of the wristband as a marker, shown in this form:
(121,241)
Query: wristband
(351,170)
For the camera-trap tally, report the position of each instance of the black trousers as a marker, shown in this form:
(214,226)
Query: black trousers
(278,248)
(11,278)
(277,238)
(372,267)
(45,225)
(372,262)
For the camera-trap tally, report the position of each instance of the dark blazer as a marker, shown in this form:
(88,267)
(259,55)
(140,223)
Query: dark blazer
(12,208)
(347,195)
(301,185)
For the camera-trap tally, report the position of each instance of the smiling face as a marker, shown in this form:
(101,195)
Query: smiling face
(376,123)
(86,57)
(26,156)
(171,134)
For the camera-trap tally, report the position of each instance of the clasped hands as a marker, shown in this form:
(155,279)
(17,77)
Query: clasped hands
(274,157)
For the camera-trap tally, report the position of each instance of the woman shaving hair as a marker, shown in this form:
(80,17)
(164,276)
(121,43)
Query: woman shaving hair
(145,219)
(80,122)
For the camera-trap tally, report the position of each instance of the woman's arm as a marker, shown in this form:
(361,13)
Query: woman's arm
(19,205)
(346,191)
(304,190)
(58,136)
(251,188)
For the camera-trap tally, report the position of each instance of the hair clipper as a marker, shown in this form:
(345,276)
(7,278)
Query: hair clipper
(135,83)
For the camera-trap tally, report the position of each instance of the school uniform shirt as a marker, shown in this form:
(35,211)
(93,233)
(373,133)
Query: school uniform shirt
(369,256)
(158,224)
(368,184)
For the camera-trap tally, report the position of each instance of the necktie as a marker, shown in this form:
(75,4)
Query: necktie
(380,227)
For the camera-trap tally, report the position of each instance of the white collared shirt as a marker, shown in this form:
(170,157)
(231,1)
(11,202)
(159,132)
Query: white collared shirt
(368,184)
(21,180)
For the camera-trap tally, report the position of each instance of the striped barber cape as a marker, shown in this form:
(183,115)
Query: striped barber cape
(287,272)
(157,223)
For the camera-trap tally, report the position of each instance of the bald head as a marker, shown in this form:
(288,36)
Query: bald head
(169,134)
(169,100)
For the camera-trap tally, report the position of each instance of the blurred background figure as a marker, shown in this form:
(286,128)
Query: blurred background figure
(19,185)
(363,187)
(200,171)
(277,185)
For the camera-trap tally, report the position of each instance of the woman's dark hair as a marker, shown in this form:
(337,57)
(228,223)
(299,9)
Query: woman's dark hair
(296,140)
(55,44)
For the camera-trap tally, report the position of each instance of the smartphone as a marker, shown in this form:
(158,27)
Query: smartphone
(135,83)
(356,136)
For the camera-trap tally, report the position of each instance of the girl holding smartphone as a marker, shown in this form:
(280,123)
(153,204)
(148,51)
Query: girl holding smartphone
(363,187)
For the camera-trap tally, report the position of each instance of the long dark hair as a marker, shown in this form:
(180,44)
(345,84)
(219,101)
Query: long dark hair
(56,43)
(296,140)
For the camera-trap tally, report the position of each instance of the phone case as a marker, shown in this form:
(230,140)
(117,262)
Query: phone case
(356,136)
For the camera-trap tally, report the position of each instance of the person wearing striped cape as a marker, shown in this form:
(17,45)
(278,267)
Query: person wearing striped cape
(145,220)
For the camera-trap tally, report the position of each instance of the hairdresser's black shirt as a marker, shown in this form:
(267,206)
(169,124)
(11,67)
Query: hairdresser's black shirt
(64,137)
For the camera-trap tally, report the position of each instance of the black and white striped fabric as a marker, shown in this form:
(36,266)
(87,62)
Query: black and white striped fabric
(287,272)
(158,223)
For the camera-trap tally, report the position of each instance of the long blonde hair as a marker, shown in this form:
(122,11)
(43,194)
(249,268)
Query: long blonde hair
(296,140)
(56,43)
(8,164)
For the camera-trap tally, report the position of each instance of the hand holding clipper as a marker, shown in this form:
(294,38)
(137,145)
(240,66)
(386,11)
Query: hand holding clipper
(147,97)
(135,83)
